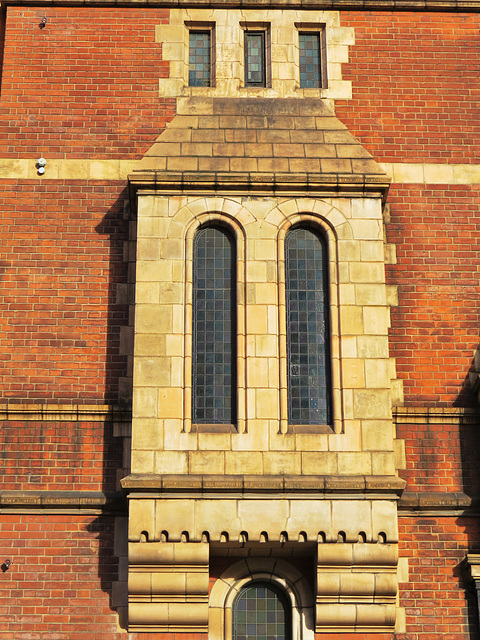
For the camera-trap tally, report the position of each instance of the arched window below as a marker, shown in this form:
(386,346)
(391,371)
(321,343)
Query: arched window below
(308,332)
(261,611)
(214,327)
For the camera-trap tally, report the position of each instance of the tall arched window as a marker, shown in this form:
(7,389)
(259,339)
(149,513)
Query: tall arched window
(308,334)
(214,327)
(261,611)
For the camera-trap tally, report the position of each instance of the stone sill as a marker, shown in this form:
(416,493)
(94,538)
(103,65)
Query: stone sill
(250,485)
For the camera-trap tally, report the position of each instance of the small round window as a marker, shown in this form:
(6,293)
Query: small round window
(261,611)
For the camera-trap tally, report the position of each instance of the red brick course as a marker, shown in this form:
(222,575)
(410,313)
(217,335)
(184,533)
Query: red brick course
(415,85)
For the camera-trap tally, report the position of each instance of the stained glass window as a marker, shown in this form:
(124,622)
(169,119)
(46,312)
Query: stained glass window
(199,70)
(214,327)
(308,344)
(261,612)
(310,69)
(255,73)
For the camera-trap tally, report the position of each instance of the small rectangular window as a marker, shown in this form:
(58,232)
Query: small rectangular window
(255,64)
(310,60)
(200,59)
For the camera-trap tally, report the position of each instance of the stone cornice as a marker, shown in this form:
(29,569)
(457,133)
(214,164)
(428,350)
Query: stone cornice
(469,6)
(64,501)
(425,503)
(436,415)
(289,184)
(260,485)
(64,412)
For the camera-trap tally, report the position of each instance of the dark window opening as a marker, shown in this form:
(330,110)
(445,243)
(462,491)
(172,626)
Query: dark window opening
(261,611)
(255,62)
(200,62)
(310,60)
(308,333)
(214,327)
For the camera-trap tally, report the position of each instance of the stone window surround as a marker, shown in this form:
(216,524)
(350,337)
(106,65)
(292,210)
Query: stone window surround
(228,51)
(265,28)
(308,220)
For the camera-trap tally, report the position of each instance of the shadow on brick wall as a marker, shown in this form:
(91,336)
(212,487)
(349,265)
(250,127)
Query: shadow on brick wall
(111,530)
(469,429)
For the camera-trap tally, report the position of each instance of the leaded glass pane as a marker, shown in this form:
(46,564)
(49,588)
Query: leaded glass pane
(255,58)
(307,328)
(310,71)
(261,612)
(199,70)
(214,331)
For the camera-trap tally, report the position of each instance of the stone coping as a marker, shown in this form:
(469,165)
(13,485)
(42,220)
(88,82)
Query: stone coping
(79,500)
(66,412)
(249,485)
(436,415)
(472,6)
(260,183)
(437,501)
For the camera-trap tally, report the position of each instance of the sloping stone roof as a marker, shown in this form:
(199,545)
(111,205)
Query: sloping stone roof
(257,140)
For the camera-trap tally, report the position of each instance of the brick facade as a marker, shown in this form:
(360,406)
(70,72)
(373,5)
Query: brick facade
(85,92)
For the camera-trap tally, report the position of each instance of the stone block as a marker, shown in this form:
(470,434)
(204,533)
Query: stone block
(217,516)
(266,404)
(351,517)
(372,346)
(377,435)
(353,373)
(319,463)
(143,461)
(263,515)
(282,462)
(377,373)
(354,463)
(171,462)
(170,402)
(148,434)
(206,462)
(371,404)
(243,462)
(141,518)
(151,372)
(351,320)
(383,463)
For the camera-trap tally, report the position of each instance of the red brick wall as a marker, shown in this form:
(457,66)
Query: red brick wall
(59,456)
(439,602)
(85,86)
(61,260)
(441,457)
(434,333)
(59,584)
(415,85)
